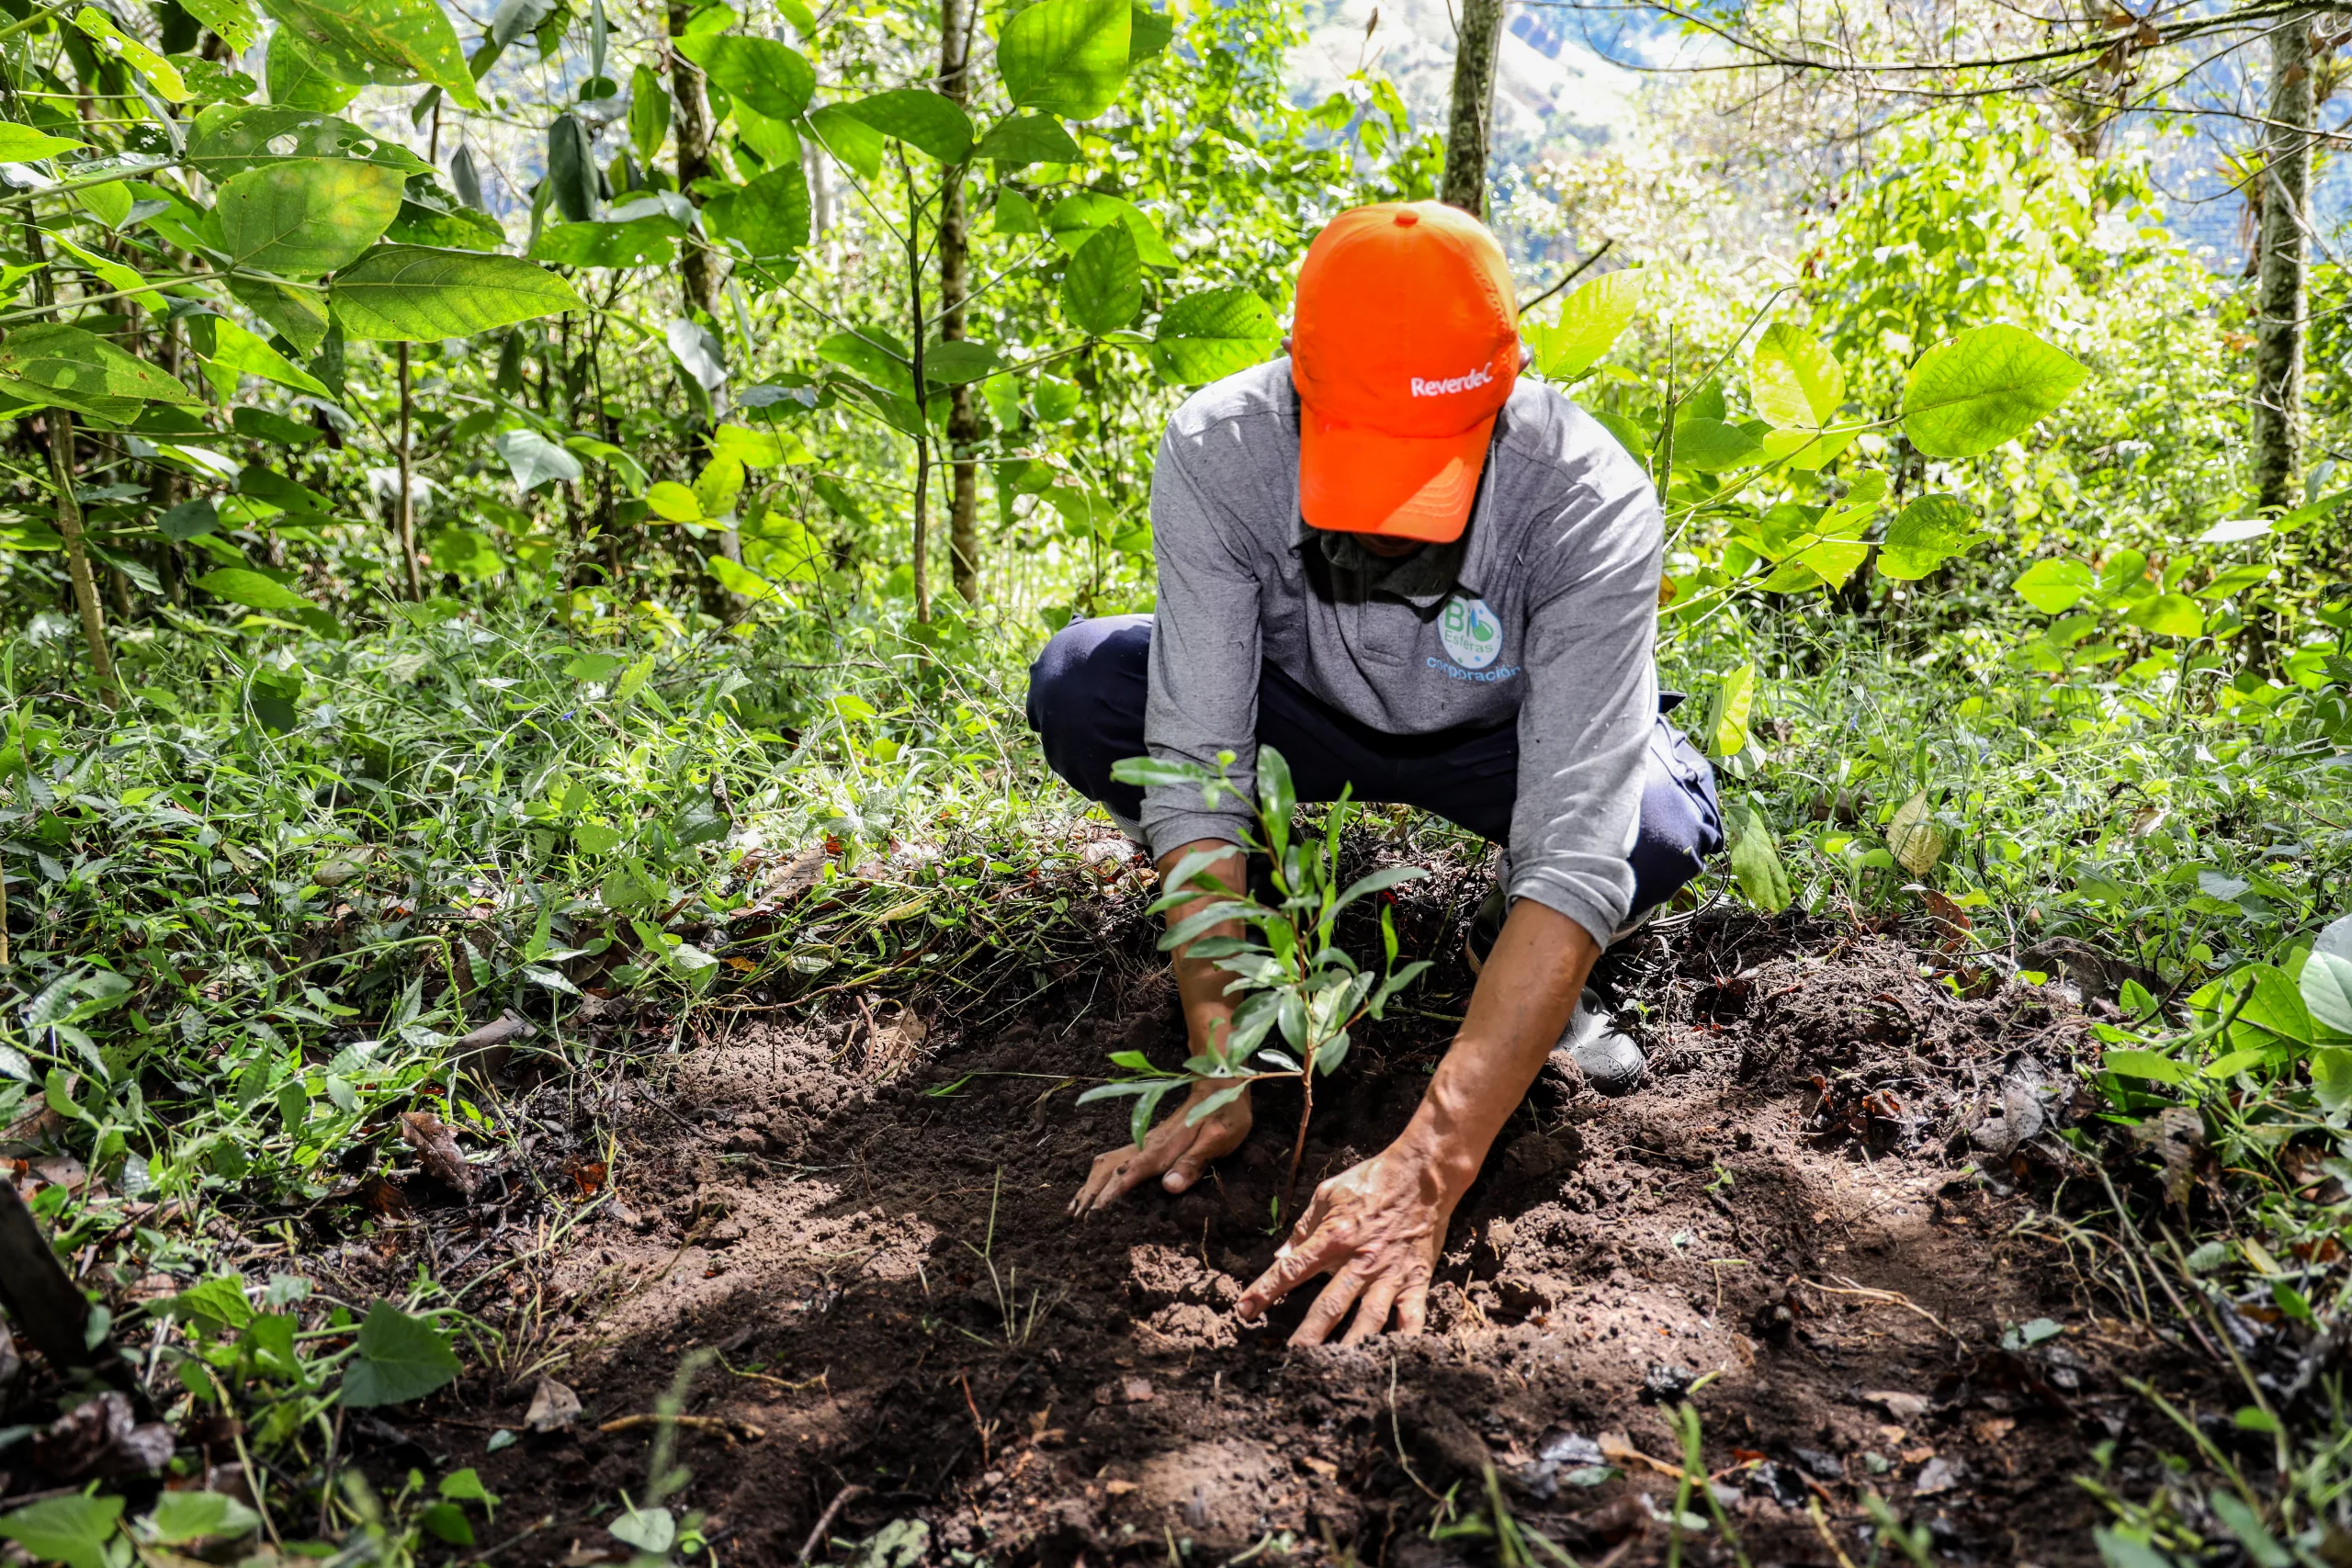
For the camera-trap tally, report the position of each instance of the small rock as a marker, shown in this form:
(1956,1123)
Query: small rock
(1664,1382)
(1902,1406)
(1937,1475)
(1819,1465)
(552,1405)
(725,1233)
(1138,1391)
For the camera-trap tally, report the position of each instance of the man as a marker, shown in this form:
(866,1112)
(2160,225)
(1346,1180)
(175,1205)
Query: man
(1405,569)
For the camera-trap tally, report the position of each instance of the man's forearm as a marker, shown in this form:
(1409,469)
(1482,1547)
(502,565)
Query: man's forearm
(1523,1000)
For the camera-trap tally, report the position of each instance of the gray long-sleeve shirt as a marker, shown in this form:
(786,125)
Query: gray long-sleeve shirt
(1550,621)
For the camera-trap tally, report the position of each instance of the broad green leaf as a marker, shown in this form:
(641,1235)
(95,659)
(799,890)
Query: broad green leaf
(1074,219)
(2332,1077)
(1588,320)
(1727,714)
(953,363)
(2168,614)
(80,364)
(1804,451)
(1148,32)
(1794,380)
(875,357)
(233,19)
(243,585)
(535,461)
(642,242)
(72,1530)
(399,40)
(117,276)
(2326,991)
(1207,336)
(23,144)
(571,169)
(299,79)
(181,1517)
(1986,386)
(1930,530)
(648,112)
(1065,57)
(1714,445)
(2145,1064)
(112,42)
(2274,1006)
(856,145)
(648,1529)
(774,78)
(768,217)
(1756,865)
(407,293)
(1913,836)
(302,216)
(400,1358)
(229,139)
(299,313)
(1021,140)
(776,140)
(2053,586)
(919,117)
(674,502)
(718,486)
(743,581)
(1102,285)
(447,229)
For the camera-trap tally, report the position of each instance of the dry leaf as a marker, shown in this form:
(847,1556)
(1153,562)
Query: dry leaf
(552,1405)
(436,1150)
(1913,836)
(1619,1450)
(798,876)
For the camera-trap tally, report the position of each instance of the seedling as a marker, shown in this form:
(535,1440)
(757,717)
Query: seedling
(1289,975)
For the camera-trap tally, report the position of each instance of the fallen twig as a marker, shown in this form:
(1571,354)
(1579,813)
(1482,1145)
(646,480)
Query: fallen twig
(825,1521)
(728,1426)
(1885,1298)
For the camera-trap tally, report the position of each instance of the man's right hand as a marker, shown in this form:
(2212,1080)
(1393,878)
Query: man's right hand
(1172,1151)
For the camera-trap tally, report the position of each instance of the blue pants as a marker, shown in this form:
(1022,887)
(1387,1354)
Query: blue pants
(1086,702)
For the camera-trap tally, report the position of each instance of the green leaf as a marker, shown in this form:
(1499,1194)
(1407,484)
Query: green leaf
(874,356)
(2168,614)
(299,313)
(1930,530)
(297,79)
(921,118)
(72,1530)
(741,581)
(1589,322)
(1021,140)
(80,364)
(233,19)
(535,461)
(1148,32)
(407,293)
(181,1517)
(1074,219)
(1714,445)
(674,502)
(648,112)
(955,364)
(243,585)
(768,217)
(571,169)
(23,144)
(1102,287)
(114,43)
(1207,336)
(448,229)
(399,40)
(644,242)
(1756,866)
(2053,586)
(854,144)
(301,217)
(1727,715)
(648,1529)
(1794,380)
(222,1298)
(774,78)
(1986,386)
(1067,57)
(2145,1064)
(400,1358)
(2326,991)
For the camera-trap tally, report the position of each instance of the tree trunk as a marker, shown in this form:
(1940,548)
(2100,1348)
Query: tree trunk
(1476,38)
(404,507)
(2286,212)
(923,421)
(954,251)
(690,122)
(77,557)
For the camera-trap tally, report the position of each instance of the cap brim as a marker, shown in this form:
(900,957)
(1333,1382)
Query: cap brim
(1355,479)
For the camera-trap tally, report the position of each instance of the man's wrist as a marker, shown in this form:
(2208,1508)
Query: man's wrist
(1450,1151)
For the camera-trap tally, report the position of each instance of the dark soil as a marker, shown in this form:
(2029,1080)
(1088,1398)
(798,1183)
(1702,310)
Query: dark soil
(1791,1209)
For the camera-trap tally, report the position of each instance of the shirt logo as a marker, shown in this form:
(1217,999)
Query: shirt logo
(1470,632)
(1423,388)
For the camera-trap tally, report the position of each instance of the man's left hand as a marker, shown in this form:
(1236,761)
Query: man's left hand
(1376,1229)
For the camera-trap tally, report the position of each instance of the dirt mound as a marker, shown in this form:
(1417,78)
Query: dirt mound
(861,1211)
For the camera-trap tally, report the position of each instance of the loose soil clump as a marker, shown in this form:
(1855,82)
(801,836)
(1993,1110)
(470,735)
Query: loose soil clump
(1814,1221)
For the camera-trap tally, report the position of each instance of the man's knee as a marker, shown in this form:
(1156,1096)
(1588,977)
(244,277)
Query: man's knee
(1087,691)
(1681,818)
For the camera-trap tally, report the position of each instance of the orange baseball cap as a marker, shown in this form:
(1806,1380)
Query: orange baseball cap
(1403,348)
